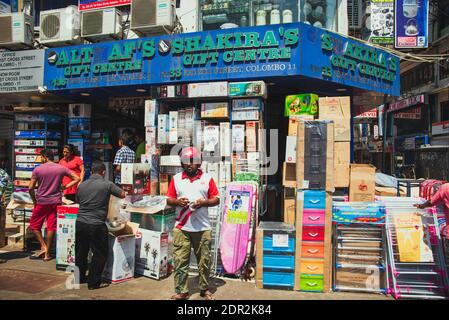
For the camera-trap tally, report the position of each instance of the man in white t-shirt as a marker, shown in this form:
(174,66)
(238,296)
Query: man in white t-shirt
(192,192)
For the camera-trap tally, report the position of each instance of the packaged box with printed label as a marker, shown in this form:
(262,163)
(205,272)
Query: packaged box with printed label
(214,110)
(79,110)
(152,254)
(135,178)
(208,89)
(290,150)
(150,113)
(173,127)
(65,235)
(162,129)
(362,183)
(337,109)
(122,251)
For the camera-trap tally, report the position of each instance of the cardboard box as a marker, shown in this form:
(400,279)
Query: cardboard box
(301,104)
(290,149)
(163,184)
(208,89)
(247,89)
(150,140)
(225,139)
(244,115)
(289,175)
(290,210)
(122,251)
(246,104)
(152,253)
(65,235)
(211,138)
(301,181)
(362,186)
(337,109)
(163,221)
(214,110)
(79,110)
(135,178)
(293,126)
(162,128)
(173,127)
(342,159)
(238,137)
(251,136)
(150,113)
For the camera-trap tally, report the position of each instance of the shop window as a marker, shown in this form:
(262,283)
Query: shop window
(217,14)
(443,18)
(417,77)
(444,110)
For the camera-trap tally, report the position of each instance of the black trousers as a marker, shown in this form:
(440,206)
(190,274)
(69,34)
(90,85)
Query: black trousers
(95,238)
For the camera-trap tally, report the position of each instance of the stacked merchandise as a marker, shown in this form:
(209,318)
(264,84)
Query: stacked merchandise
(79,131)
(359,244)
(34,132)
(65,236)
(314,171)
(338,109)
(100,149)
(297,107)
(416,262)
(275,259)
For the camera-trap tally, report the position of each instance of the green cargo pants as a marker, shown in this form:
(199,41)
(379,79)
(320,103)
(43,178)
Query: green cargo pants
(182,242)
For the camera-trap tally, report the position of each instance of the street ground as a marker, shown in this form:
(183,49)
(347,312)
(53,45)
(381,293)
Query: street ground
(22,278)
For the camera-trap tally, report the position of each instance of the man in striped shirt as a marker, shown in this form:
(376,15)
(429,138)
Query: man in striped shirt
(124,155)
(192,192)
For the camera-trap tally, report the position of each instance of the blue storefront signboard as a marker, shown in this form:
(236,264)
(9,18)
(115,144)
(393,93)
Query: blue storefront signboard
(224,55)
(411,23)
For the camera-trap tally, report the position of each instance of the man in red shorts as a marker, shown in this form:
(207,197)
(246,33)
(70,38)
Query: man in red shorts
(48,177)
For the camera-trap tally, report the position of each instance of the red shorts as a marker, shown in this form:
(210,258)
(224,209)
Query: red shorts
(42,212)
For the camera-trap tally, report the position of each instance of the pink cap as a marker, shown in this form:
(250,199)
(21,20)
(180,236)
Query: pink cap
(190,153)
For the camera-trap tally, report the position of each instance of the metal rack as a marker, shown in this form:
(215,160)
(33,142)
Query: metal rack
(359,248)
(415,279)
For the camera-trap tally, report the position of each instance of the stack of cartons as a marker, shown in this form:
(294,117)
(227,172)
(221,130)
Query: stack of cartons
(314,178)
(338,109)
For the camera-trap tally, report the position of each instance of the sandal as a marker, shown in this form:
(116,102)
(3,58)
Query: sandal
(37,255)
(180,296)
(207,295)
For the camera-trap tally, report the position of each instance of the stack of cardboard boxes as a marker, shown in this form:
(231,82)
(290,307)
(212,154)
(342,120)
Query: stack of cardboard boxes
(297,107)
(338,109)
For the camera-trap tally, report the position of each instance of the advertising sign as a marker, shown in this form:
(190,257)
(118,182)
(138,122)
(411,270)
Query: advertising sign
(440,128)
(21,71)
(411,23)
(382,21)
(223,55)
(414,114)
(408,102)
(97,4)
(366,112)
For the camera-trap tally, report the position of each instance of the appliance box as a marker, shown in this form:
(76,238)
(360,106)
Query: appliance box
(208,89)
(65,235)
(135,178)
(150,113)
(362,183)
(248,89)
(152,253)
(214,110)
(290,149)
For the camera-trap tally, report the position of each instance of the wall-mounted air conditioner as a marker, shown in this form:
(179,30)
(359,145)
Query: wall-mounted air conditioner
(16,30)
(151,17)
(355,14)
(60,27)
(101,24)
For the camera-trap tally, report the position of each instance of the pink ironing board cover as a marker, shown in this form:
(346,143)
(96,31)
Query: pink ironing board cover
(235,237)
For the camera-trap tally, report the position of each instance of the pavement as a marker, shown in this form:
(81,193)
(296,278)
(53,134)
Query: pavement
(142,288)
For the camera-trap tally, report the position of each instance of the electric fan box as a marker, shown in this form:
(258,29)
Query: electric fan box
(121,256)
(152,254)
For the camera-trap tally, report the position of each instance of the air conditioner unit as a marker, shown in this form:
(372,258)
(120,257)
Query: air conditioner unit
(60,27)
(16,30)
(151,17)
(101,24)
(355,14)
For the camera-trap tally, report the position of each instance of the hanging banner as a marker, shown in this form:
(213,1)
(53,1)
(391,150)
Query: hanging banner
(97,4)
(411,23)
(382,21)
